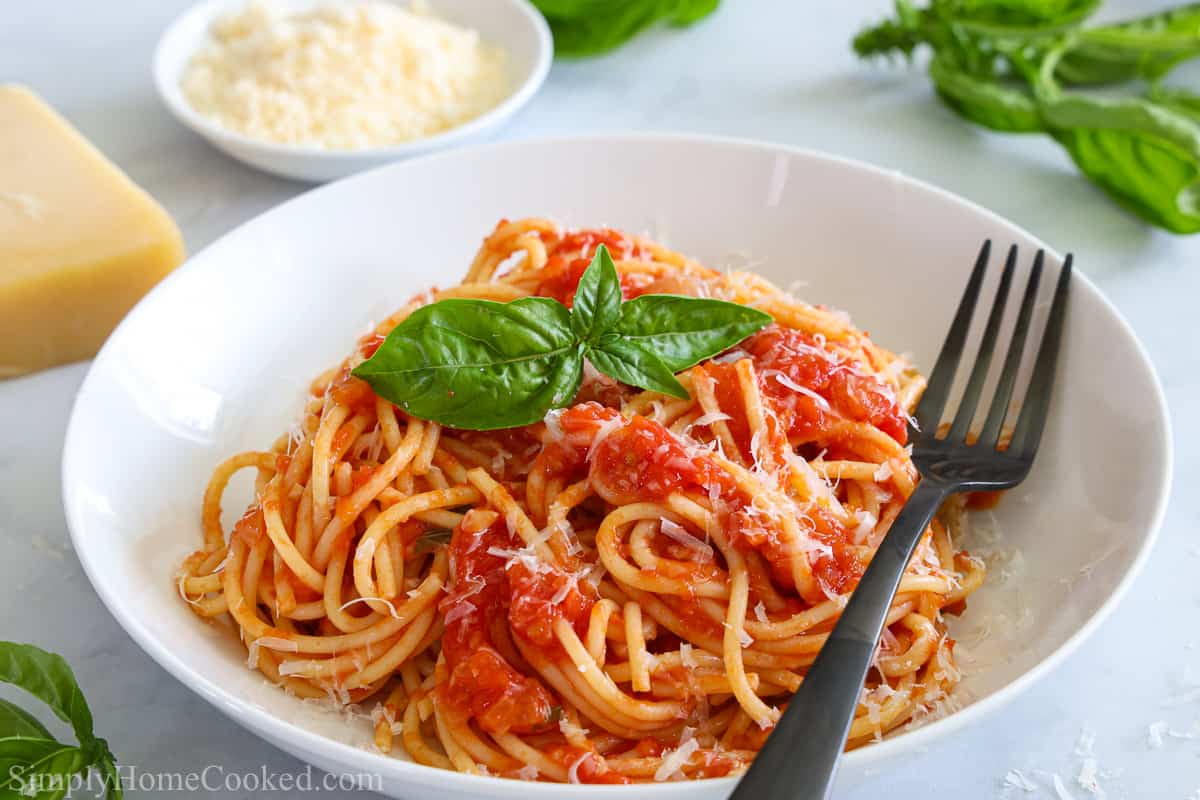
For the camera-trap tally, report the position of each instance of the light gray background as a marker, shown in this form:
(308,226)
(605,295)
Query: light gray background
(779,70)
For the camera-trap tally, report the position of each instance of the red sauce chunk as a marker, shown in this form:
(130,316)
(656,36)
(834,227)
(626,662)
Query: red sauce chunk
(543,594)
(570,258)
(639,460)
(483,685)
(784,356)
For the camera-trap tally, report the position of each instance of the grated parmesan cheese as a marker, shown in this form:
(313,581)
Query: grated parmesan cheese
(686,657)
(1154,733)
(681,535)
(388,603)
(573,770)
(343,77)
(1016,780)
(1088,778)
(673,761)
(785,381)
(1060,789)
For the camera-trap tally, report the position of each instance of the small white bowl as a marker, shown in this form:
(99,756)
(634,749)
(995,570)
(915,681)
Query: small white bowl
(514,25)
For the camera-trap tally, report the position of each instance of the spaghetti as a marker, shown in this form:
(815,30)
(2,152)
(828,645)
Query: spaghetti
(627,591)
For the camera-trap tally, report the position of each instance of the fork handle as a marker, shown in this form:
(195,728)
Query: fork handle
(800,757)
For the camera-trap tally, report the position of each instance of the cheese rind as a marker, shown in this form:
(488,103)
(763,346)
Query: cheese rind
(80,243)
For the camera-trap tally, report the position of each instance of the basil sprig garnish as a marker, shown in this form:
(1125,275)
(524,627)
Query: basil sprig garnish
(482,365)
(32,762)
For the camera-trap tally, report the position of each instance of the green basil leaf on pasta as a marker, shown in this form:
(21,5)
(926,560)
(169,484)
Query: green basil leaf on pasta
(479,364)
(597,298)
(683,331)
(631,364)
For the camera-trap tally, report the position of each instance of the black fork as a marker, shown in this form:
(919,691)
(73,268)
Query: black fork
(801,755)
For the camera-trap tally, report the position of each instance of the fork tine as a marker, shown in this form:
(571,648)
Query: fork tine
(1037,398)
(983,359)
(1012,362)
(933,401)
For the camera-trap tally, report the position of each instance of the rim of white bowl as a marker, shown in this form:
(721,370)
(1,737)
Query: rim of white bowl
(167,83)
(273,728)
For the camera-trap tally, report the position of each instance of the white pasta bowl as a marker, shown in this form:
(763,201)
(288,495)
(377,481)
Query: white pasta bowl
(217,358)
(514,25)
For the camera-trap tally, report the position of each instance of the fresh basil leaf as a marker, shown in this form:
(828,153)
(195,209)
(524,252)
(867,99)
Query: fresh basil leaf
(112,779)
(590,27)
(432,539)
(1019,18)
(688,11)
(597,298)
(1179,100)
(628,362)
(1144,154)
(46,777)
(683,331)
(479,364)
(47,677)
(19,752)
(16,721)
(1144,48)
(1000,106)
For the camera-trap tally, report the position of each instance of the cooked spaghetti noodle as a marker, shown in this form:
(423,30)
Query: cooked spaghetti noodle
(627,591)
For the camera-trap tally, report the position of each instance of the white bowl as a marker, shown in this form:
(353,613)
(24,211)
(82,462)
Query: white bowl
(217,357)
(514,25)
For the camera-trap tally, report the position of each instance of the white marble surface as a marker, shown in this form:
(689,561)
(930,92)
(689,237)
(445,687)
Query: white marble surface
(768,69)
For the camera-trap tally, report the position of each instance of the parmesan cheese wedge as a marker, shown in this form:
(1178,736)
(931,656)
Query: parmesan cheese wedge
(80,243)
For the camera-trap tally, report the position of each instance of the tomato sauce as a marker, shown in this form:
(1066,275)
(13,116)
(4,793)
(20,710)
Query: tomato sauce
(642,461)
(368,345)
(847,393)
(588,767)
(354,392)
(482,685)
(570,258)
(251,526)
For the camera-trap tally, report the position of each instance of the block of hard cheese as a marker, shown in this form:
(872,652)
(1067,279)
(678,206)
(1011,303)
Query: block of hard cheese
(80,243)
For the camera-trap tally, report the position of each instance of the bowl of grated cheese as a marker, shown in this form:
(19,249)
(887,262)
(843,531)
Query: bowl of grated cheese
(319,90)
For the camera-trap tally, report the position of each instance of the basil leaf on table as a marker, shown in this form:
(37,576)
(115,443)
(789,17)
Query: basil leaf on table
(47,677)
(1147,48)
(29,754)
(630,363)
(16,721)
(47,777)
(1145,154)
(590,27)
(1005,107)
(1021,17)
(479,364)
(597,298)
(683,331)
(21,752)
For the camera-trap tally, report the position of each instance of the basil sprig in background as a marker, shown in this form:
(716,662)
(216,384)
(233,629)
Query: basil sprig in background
(1028,66)
(482,365)
(33,764)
